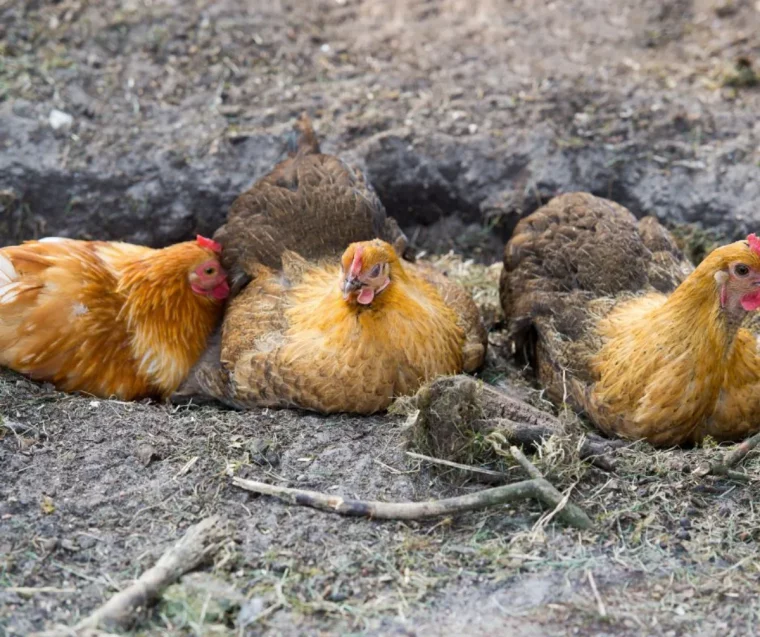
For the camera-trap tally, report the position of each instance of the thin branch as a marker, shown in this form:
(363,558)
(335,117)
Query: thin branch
(456,465)
(199,542)
(731,459)
(721,470)
(597,596)
(539,489)
(738,453)
(526,464)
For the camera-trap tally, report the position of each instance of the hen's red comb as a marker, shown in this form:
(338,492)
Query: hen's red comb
(356,264)
(203,242)
(754,243)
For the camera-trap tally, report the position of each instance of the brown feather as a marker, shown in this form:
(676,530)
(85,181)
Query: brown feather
(311,203)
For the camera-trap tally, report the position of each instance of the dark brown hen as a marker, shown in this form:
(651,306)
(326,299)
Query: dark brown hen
(311,203)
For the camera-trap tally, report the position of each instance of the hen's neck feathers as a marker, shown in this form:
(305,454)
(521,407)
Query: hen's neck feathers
(695,307)
(169,322)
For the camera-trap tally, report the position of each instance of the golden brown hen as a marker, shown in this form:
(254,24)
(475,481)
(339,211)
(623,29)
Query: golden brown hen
(108,318)
(312,204)
(345,336)
(618,324)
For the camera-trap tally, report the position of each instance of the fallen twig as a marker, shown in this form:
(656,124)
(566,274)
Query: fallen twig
(738,453)
(455,465)
(599,601)
(731,459)
(538,488)
(526,464)
(193,548)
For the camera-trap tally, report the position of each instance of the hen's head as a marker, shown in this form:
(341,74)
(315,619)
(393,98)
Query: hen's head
(367,268)
(737,273)
(207,277)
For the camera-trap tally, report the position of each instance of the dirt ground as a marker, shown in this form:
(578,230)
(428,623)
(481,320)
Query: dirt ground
(466,115)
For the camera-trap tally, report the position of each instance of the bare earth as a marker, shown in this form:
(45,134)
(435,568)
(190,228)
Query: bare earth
(467,115)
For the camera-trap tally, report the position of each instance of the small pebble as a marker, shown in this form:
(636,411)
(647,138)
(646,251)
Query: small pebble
(337,596)
(250,611)
(69,545)
(145,454)
(59,119)
(683,534)
(50,544)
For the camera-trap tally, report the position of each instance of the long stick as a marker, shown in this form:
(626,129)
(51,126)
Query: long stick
(193,548)
(539,489)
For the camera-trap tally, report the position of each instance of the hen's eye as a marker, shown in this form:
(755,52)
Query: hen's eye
(210,271)
(375,271)
(741,270)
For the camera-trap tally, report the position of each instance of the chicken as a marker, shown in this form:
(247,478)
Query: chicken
(109,319)
(617,324)
(345,335)
(311,203)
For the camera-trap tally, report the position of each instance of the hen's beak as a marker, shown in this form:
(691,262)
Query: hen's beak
(351,284)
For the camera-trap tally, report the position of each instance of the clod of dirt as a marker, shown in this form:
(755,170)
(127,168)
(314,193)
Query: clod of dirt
(146,453)
(454,413)
(460,419)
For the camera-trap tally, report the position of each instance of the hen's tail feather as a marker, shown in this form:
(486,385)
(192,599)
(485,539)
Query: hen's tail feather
(303,140)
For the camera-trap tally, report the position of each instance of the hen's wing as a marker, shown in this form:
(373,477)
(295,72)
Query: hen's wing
(312,203)
(468,315)
(565,267)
